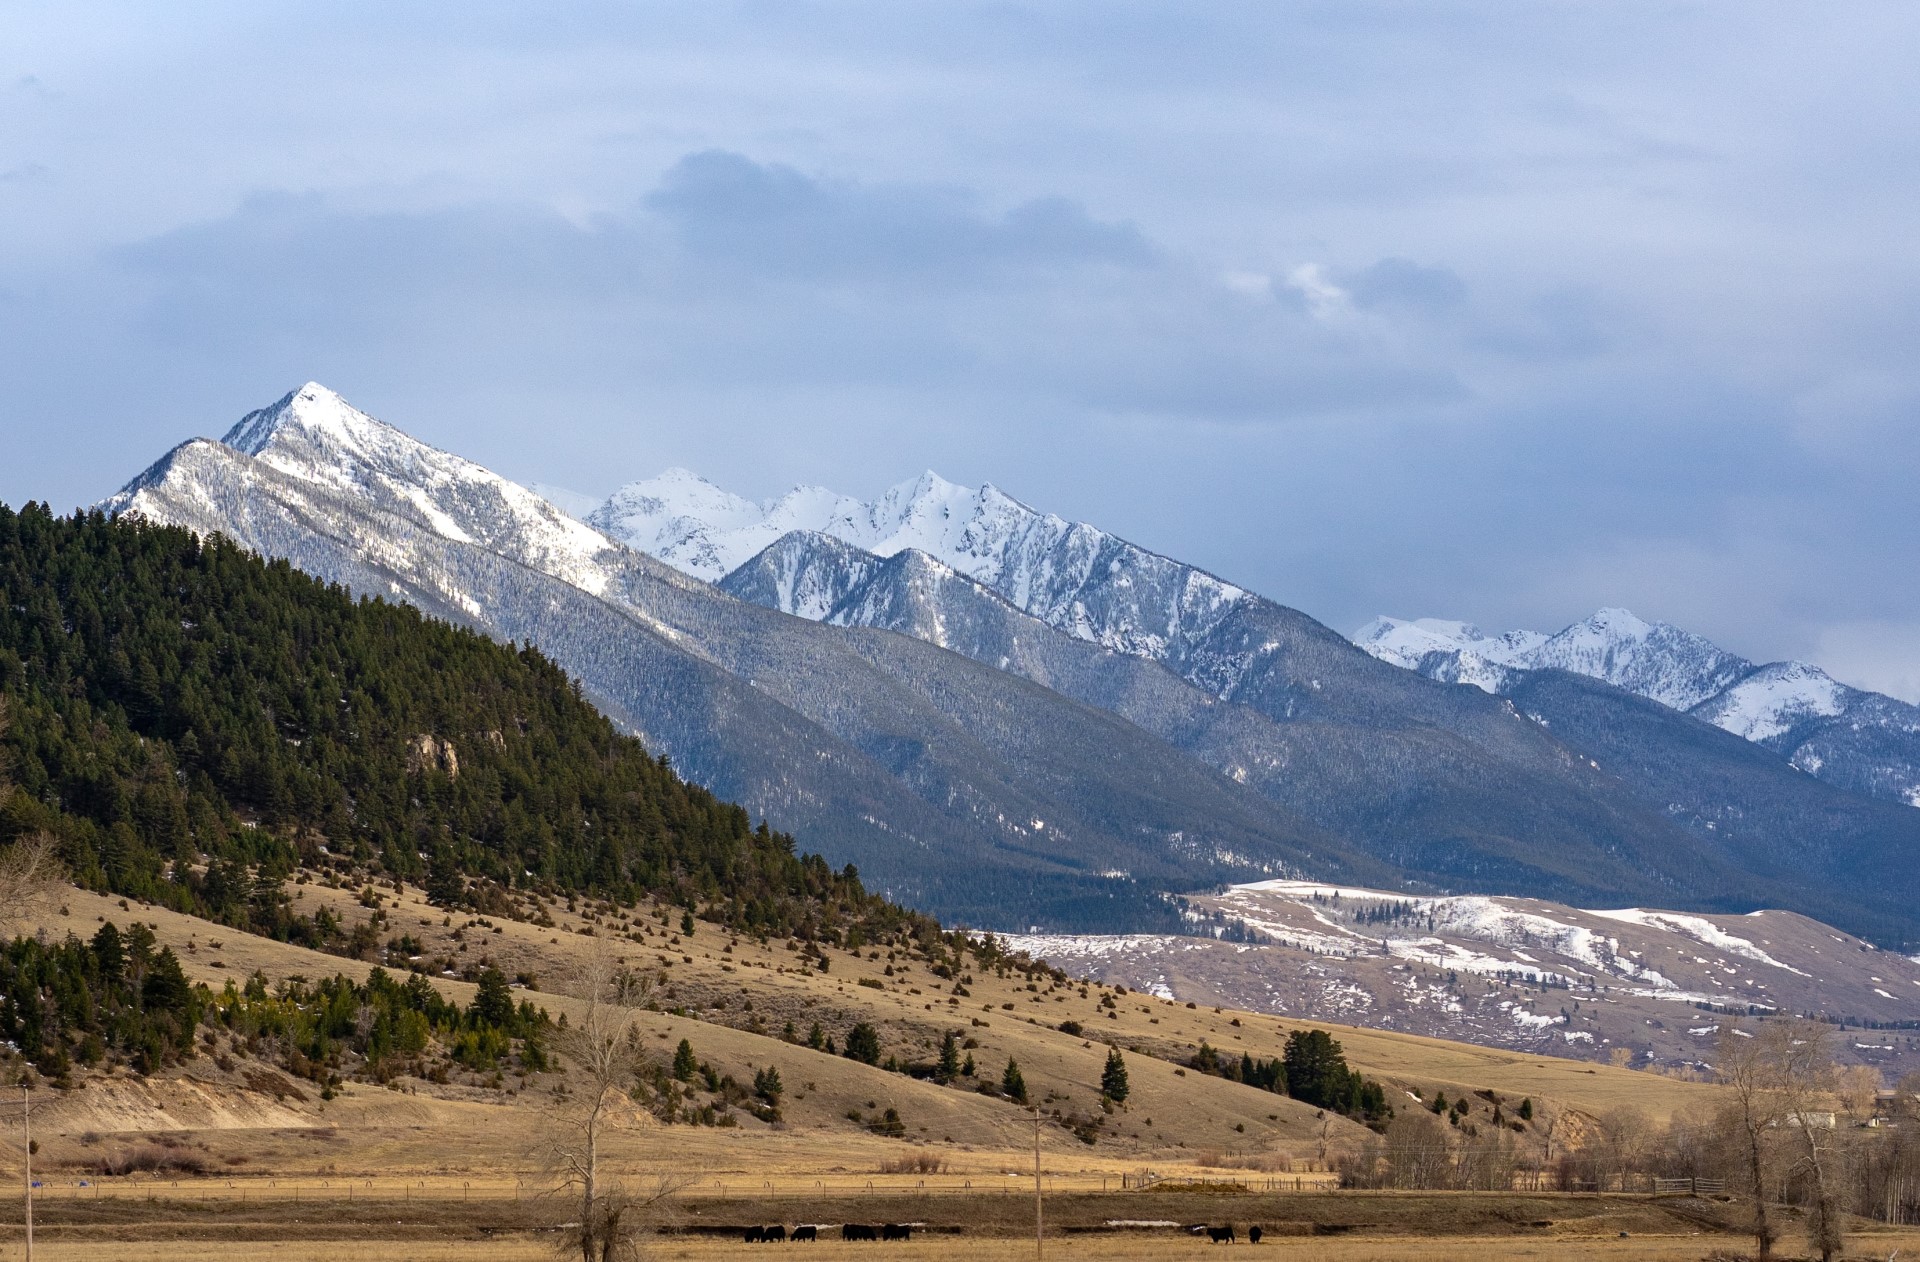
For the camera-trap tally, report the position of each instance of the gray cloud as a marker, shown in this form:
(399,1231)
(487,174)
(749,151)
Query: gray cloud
(775,220)
(1460,310)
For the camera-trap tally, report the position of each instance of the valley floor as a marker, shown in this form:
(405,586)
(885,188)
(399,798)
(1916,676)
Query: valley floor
(181,1224)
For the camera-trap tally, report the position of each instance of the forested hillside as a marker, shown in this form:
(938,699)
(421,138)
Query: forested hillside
(189,722)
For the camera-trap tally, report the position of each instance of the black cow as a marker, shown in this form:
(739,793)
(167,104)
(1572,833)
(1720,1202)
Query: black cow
(808,1233)
(1220,1235)
(776,1234)
(1253,1234)
(752,1235)
(858,1231)
(896,1231)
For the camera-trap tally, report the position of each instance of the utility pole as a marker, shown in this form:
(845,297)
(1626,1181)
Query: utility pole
(1038,1230)
(26,1158)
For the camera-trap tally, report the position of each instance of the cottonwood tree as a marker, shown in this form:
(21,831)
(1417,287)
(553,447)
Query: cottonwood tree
(1748,1067)
(601,1045)
(1783,1082)
(1805,1075)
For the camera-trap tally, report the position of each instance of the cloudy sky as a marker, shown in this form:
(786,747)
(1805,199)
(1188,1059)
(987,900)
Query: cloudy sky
(1499,312)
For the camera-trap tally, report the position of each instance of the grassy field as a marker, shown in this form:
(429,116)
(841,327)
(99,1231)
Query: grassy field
(1333,1226)
(419,1170)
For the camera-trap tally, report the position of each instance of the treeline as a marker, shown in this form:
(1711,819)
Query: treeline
(115,1000)
(1312,1069)
(192,723)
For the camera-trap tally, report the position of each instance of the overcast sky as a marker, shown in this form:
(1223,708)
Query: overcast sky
(1497,312)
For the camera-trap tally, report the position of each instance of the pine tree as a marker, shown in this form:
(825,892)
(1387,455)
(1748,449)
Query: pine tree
(684,1064)
(949,1058)
(493,1002)
(1012,1084)
(1113,1079)
(863,1044)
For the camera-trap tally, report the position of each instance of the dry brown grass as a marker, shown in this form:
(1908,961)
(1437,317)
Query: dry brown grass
(1104,1248)
(1178,1123)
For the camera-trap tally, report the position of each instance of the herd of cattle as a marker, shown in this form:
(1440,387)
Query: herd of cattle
(778,1233)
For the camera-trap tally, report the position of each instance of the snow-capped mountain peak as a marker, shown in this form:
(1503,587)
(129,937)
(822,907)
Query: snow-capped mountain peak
(318,437)
(1859,739)
(312,410)
(1655,659)
(1074,577)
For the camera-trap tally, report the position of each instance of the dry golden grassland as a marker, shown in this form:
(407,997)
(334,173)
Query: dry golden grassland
(1090,1249)
(414,1144)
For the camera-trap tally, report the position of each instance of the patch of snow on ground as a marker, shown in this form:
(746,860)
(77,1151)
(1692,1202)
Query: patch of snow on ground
(1700,930)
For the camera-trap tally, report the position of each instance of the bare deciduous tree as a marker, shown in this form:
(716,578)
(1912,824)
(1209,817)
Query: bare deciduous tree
(1857,1086)
(1804,1073)
(601,1046)
(1747,1067)
(30,875)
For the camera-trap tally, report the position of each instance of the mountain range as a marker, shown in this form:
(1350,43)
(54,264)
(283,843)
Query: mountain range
(1862,741)
(1011,719)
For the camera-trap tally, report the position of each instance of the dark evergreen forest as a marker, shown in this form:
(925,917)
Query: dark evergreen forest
(191,723)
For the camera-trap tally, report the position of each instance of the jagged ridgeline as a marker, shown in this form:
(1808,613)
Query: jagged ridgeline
(187,719)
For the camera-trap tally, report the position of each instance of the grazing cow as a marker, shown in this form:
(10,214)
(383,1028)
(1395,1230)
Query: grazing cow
(776,1234)
(1253,1234)
(752,1235)
(896,1231)
(1220,1235)
(858,1231)
(809,1233)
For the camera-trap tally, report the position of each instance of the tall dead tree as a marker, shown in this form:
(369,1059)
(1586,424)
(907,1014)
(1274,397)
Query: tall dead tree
(600,1045)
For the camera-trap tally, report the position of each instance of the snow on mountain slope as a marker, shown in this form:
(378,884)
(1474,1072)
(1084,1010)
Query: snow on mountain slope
(1510,972)
(1070,575)
(1860,740)
(318,437)
(1655,660)
(1774,699)
(1404,642)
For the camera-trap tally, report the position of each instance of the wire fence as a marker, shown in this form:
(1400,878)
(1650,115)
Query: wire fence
(533,1186)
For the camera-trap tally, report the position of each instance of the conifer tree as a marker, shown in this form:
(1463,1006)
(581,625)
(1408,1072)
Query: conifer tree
(684,1063)
(1113,1079)
(1012,1083)
(863,1044)
(949,1068)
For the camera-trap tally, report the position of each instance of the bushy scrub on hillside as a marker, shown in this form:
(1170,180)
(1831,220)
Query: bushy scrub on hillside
(116,1000)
